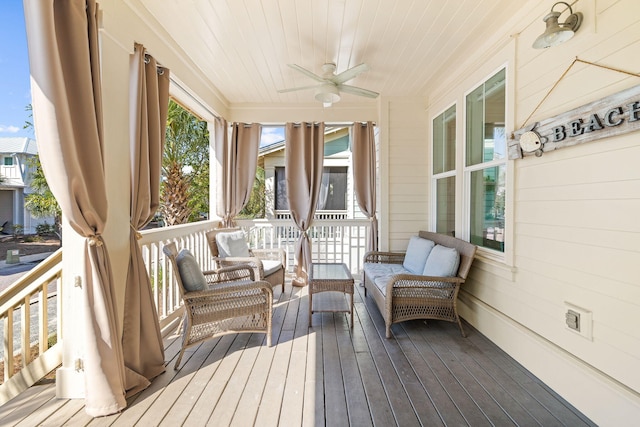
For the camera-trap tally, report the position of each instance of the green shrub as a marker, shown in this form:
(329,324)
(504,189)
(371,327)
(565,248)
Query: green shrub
(45,229)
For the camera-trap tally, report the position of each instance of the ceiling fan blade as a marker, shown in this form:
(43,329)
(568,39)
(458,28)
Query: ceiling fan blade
(306,72)
(297,88)
(350,73)
(358,91)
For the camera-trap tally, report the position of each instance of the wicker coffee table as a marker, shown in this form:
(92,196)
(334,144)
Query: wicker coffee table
(335,278)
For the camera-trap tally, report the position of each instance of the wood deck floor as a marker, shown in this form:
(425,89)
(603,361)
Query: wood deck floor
(328,375)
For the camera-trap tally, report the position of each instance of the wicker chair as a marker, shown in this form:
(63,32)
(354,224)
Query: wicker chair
(268,264)
(232,302)
(409,296)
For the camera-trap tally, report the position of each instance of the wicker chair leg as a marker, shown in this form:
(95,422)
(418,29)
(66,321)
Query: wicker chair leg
(388,325)
(175,367)
(461,330)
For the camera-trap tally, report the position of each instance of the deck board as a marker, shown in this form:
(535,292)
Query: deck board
(327,374)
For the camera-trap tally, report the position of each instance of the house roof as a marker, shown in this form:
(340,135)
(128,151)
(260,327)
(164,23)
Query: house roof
(331,133)
(22,145)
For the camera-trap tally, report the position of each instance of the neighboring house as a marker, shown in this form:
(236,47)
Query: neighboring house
(15,173)
(336,199)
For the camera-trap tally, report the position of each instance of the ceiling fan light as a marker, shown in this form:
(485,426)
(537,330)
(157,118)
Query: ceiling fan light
(557,33)
(327,94)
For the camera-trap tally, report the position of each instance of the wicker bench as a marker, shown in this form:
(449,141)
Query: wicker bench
(401,295)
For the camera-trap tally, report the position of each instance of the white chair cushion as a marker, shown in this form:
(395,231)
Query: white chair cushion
(232,244)
(442,262)
(190,272)
(417,254)
(270,266)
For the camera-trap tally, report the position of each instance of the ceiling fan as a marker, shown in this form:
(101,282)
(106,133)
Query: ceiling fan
(331,84)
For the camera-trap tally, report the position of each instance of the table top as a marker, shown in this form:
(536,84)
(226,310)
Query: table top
(329,271)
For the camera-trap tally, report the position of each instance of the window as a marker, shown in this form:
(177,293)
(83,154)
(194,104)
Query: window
(444,165)
(485,162)
(8,161)
(333,190)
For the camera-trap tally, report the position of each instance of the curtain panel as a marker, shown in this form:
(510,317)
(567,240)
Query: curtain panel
(62,38)
(237,161)
(304,157)
(148,105)
(363,149)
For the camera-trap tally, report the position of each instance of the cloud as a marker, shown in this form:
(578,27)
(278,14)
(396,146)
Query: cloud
(9,129)
(271,135)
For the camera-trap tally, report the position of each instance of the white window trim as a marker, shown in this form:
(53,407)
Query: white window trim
(506,256)
(448,174)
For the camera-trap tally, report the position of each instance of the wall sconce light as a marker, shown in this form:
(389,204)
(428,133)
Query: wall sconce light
(557,33)
(327,94)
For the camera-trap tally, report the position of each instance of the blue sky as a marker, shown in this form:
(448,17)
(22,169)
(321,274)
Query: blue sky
(15,92)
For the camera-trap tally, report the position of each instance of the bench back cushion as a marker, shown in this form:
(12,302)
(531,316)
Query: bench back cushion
(466,250)
(417,254)
(442,262)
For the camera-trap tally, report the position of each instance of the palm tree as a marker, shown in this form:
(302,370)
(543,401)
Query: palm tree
(255,207)
(185,167)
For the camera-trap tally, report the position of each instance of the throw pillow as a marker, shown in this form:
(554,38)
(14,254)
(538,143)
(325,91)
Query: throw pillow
(232,244)
(417,254)
(442,262)
(190,272)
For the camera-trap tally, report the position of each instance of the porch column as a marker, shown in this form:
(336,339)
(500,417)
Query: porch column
(213,172)
(115,97)
(18,206)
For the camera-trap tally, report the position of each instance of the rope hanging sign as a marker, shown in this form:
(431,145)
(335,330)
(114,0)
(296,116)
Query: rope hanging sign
(616,114)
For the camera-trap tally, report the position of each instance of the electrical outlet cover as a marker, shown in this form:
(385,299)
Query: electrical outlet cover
(584,321)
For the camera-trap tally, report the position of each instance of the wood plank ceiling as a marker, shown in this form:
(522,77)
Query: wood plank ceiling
(244,47)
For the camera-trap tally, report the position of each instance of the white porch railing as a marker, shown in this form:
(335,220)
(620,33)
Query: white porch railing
(31,319)
(337,240)
(332,241)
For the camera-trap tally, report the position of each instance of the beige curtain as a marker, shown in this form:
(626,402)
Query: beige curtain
(304,151)
(63,54)
(363,148)
(237,161)
(148,105)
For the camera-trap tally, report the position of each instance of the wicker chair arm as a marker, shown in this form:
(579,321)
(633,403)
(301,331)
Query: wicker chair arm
(384,257)
(419,281)
(422,280)
(230,273)
(254,262)
(230,290)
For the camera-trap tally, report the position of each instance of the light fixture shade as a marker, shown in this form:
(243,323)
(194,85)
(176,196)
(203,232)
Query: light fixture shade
(557,33)
(327,94)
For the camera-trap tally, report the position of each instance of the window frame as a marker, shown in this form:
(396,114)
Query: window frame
(453,173)
(347,170)
(501,256)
